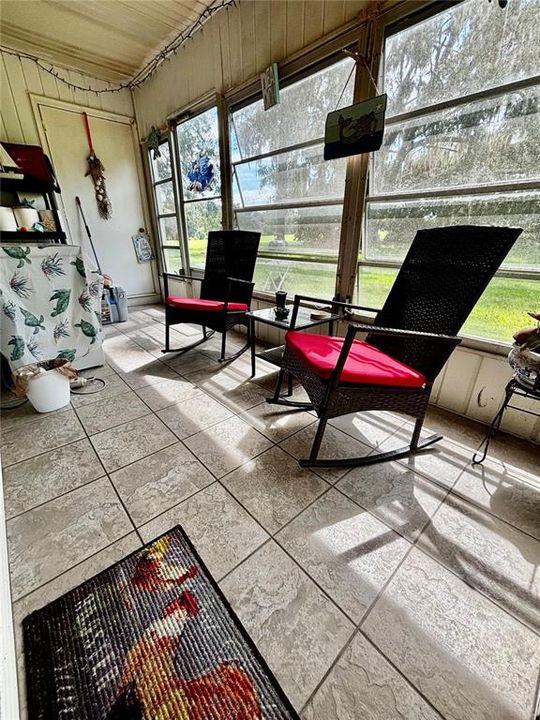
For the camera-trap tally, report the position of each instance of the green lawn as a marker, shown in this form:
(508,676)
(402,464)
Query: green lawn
(500,312)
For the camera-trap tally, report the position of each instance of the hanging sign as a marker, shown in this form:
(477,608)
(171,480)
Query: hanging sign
(355,129)
(270,86)
(143,246)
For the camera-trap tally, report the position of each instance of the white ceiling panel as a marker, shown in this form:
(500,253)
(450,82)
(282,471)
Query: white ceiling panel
(110,39)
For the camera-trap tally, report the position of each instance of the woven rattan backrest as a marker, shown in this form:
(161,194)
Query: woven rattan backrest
(230,254)
(440,281)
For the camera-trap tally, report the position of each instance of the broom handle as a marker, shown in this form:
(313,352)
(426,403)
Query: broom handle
(78,201)
(88,136)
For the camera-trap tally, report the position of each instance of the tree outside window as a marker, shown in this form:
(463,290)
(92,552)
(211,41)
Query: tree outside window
(461,147)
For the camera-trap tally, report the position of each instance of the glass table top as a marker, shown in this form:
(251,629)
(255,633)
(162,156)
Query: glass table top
(303,318)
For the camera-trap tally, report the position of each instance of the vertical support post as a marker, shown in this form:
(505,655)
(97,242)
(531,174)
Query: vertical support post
(369,48)
(225,153)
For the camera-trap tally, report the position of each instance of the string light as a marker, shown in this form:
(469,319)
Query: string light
(151,66)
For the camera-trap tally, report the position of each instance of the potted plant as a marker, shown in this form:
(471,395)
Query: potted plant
(524,357)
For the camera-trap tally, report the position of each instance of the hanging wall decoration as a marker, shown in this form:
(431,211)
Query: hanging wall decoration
(153,142)
(358,128)
(200,174)
(143,246)
(97,173)
(270,86)
(355,129)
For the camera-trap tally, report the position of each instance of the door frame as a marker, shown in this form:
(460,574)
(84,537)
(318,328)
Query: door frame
(38,101)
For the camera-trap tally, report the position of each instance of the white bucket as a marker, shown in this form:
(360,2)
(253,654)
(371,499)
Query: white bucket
(48,391)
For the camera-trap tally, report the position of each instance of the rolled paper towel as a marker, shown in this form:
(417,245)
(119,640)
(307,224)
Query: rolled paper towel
(7,219)
(25,216)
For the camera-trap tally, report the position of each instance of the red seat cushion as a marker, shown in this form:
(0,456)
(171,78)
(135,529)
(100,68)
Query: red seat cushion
(364,364)
(204,305)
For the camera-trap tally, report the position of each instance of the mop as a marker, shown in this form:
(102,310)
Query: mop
(107,280)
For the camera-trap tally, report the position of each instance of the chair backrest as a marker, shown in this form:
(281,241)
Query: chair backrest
(230,254)
(440,281)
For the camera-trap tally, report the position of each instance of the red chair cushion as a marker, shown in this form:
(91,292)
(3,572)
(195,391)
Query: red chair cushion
(204,305)
(364,364)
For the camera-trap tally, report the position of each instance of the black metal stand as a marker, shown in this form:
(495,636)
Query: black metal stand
(514,387)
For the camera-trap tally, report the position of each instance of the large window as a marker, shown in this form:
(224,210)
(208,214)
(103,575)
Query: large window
(184,224)
(461,146)
(165,207)
(200,182)
(283,188)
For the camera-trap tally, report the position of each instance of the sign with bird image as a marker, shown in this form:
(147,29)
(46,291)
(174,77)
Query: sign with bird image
(355,129)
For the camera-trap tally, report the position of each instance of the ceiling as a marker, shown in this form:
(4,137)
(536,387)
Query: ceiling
(109,39)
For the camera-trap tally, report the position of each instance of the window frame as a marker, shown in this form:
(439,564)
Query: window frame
(193,111)
(163,245)
(317,61)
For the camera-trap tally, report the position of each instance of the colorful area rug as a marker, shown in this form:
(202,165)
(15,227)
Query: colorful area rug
(151,638)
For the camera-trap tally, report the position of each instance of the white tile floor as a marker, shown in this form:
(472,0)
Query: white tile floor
(403,590)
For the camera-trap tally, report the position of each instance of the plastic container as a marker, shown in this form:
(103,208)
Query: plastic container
(7,219)
(48,391)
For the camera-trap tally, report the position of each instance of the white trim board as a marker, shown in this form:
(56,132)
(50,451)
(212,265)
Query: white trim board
(9,698)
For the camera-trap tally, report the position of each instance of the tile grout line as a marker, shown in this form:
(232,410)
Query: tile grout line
(125,509)
(80,562)
(113,487)
(56,497)
(248,557)
(276,444)
(400,672)
(357,627)
(536,700)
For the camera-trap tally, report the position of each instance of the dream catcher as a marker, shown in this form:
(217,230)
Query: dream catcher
(201,174)
(97,173)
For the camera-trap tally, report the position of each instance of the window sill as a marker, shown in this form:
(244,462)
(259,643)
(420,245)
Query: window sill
(490,347)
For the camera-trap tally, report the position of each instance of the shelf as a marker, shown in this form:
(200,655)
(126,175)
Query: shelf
(30,236)
(27,183)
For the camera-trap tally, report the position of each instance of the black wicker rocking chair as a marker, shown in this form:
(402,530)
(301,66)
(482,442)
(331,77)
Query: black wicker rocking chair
(226,290)
(442,278)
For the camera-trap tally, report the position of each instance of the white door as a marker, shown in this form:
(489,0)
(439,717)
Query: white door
(114,145)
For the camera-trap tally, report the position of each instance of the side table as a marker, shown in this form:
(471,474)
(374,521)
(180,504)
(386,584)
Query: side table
(268,317)
(514,387)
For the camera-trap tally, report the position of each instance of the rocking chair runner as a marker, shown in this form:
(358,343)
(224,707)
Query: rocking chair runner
(226,290)
(443,276)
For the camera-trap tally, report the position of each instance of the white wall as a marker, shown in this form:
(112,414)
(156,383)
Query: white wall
(111,118)
(20,77)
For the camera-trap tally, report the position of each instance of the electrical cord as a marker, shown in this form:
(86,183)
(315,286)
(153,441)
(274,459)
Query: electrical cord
(82,382)
(13,405)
